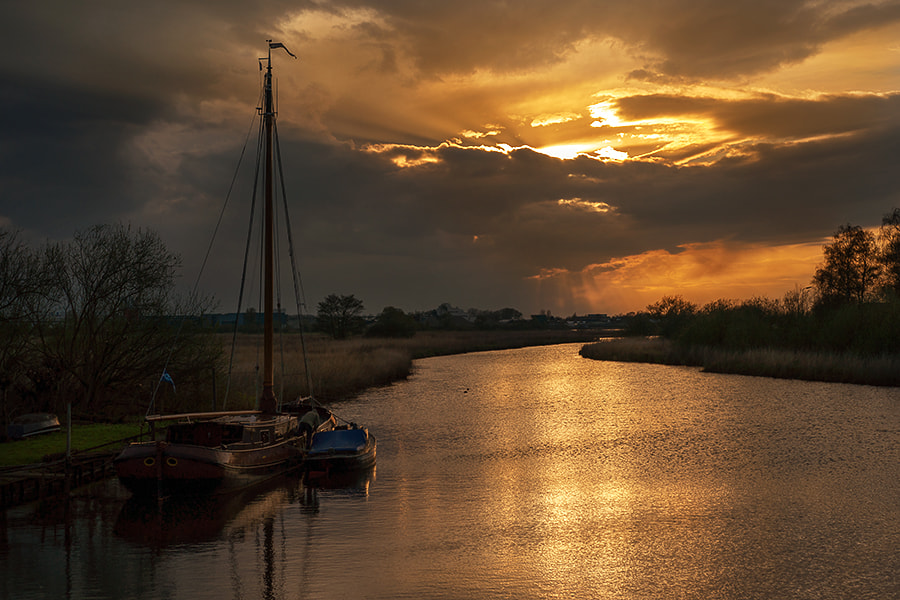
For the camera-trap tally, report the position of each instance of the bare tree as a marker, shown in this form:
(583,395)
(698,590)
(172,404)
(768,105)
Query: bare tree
(673,313)
(107,325)
(18,286)
(669,307)
(340,315)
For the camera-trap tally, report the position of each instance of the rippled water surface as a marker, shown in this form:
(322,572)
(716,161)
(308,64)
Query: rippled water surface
(528,473)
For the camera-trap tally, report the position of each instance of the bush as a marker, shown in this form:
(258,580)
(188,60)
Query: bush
(392,323)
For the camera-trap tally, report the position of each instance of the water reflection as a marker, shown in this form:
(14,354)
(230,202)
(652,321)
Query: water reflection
(527,474)
(178,521)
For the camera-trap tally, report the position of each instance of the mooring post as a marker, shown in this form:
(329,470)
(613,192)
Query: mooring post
(68,481)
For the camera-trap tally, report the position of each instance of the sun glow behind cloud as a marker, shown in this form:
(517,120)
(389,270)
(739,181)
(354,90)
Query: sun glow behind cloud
(604,136)
(566,151)
(701,273)
(667,121)
(556,119)
(578,203)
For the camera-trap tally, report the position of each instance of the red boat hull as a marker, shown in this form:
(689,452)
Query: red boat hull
(161,468)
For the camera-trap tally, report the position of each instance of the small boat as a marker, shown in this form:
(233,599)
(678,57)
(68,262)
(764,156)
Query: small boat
(340,450)
(223,451)
(32,424)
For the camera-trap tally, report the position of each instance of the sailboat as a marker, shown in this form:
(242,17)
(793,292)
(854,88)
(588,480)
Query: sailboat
(211,452)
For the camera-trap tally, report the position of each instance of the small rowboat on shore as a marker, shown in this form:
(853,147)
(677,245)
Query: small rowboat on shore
(32,424)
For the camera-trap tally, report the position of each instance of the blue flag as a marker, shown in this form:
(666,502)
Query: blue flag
(167,378)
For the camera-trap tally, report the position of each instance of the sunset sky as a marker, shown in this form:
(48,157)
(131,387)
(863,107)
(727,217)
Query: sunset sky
(577,156)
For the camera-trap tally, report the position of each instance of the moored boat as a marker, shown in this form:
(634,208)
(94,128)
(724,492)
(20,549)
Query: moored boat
(223,451)
(340,450)
(214,452)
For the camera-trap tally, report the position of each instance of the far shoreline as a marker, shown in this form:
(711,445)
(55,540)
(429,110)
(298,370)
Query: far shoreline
(828,367)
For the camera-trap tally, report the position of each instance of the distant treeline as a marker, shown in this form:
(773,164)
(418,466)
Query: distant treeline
(341,316)
(843,327)
(866,329)
(95,323)
(851,305)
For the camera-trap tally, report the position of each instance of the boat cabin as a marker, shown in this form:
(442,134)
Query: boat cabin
(209,434)
(250,431)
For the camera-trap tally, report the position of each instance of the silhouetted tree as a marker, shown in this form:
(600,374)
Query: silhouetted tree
(104,327)
(19,284)
(340,315)
(673,314)
(890,251)
(394,323)
(852,267)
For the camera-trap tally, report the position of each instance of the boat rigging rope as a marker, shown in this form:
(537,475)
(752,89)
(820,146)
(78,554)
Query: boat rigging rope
(203,264)
(299,295)
(244,269)
(278,311)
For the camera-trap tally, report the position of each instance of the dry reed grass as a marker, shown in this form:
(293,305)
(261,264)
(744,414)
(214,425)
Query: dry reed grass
(342,368)
(811,366)
(765,362)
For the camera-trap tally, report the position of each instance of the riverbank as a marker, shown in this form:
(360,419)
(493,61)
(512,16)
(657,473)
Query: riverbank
(50,446)
(340,370)
(766,362)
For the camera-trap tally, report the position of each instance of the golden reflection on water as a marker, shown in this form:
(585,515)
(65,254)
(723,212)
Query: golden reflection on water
(583,488)
(536,474)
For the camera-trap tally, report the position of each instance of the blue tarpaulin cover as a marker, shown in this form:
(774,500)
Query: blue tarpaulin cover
(340,440)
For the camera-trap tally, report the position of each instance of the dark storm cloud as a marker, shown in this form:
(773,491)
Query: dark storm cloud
(699,39)
(711,39)
(83,82)
(61,153)
(79,82)
(414,229)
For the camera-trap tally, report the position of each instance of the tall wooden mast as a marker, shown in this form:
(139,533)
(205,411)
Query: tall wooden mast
(268,402)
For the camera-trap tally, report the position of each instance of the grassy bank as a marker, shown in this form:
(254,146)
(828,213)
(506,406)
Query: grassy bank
(836,367)
(84,436)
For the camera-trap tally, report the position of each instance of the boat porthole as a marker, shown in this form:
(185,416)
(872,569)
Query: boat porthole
(149,461)
(171,461)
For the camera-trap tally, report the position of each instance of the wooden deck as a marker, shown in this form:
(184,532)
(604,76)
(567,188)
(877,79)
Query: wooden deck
(28,483)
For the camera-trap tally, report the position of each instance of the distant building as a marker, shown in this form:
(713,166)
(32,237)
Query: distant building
(590,321)
(226,320)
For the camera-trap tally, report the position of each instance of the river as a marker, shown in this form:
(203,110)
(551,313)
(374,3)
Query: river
(530,473)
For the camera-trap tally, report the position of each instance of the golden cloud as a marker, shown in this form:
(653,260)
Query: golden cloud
(701,273)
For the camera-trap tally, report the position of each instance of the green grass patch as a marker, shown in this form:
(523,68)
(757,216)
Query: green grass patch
(84,437)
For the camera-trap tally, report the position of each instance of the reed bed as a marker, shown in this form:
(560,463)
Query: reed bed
(883,370)
(340,369)
(834,367)
(337,369)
